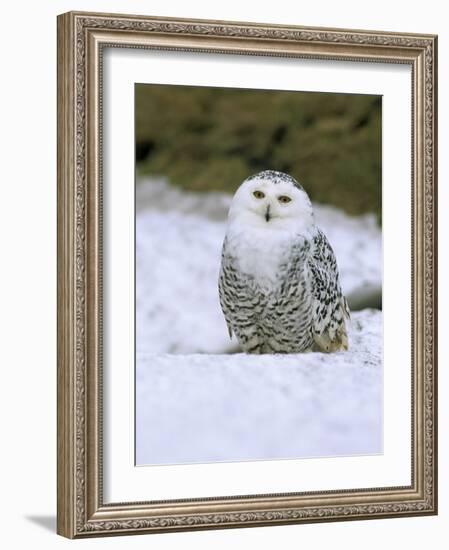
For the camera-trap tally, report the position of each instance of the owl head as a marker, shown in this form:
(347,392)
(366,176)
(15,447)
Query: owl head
(272,200)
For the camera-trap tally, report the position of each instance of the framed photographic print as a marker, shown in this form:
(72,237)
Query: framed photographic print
(246,274)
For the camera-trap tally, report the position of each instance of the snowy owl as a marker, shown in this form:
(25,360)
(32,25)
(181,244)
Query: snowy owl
(279,285)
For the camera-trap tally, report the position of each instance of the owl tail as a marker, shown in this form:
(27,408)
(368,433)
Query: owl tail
(324,342)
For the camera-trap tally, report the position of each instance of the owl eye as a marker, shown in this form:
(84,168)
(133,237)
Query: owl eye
(259,194)
(284,199)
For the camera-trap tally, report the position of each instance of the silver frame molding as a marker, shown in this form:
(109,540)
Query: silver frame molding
(81,39)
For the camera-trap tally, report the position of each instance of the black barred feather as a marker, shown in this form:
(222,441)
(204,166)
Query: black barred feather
(305,310)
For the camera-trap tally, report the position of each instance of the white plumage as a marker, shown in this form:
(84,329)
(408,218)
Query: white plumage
(279,285)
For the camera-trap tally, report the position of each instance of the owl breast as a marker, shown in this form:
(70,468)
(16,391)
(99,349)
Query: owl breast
(265,291)
(260,256)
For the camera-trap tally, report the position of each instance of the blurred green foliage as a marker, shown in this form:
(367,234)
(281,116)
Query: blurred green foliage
(206,139)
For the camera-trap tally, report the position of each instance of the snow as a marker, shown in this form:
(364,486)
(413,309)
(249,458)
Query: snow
(232,407)
(178,245)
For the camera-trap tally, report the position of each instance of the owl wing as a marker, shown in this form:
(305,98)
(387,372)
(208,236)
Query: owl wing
(239,299)
(226,281)
(329,307)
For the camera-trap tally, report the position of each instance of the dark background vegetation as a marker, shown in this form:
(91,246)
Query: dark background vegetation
(206,139)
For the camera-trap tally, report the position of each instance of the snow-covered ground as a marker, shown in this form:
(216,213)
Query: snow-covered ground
(178,245)
(207,408)
(197,398)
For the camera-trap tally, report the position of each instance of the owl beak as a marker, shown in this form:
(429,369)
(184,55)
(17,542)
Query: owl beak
(267,214)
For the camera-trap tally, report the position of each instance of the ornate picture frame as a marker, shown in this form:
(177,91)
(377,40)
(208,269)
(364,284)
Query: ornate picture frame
(82,39)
